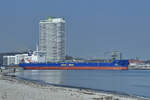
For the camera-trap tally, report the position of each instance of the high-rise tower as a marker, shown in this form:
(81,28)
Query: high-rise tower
(52,38)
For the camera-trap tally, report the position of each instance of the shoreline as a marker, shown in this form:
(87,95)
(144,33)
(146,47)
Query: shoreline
(81,88)
(26,89)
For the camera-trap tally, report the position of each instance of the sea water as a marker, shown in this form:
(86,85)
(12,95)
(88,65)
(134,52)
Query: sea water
(135,82)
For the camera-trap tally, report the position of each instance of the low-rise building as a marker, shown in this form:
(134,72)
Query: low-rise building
(32,57)
(13,59)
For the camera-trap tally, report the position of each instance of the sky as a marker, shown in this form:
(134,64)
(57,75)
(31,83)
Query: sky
(93,27)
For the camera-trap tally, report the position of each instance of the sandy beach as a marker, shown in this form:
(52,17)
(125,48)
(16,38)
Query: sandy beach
(14,89)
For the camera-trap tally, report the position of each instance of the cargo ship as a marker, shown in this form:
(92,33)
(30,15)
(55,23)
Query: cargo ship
(114,65)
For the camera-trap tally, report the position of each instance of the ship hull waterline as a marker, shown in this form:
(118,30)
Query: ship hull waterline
(75,68)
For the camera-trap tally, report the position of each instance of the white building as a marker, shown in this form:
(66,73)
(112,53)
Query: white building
(52,39)
(14,60)
(9,60)
(35,57)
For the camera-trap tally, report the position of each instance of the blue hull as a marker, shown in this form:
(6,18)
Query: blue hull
(115,65)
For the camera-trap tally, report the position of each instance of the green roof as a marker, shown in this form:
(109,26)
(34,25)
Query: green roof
(50,18)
